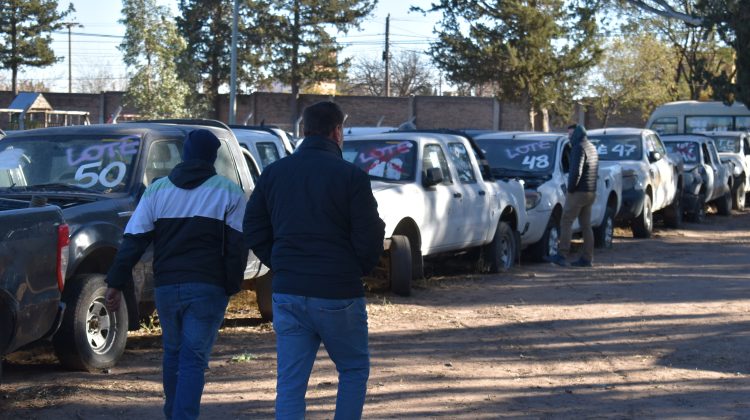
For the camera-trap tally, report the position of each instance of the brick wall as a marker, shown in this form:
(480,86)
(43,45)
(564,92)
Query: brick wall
(276,109)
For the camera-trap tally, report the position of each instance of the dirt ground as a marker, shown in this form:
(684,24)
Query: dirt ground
(659,328)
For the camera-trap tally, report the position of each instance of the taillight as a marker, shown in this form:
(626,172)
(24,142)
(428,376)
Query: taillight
(63,240)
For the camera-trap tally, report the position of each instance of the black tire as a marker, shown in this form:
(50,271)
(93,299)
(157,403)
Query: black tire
(605,232)
(400,265)
(698,213)
(738,196)
(547,245)
(90,337)
(673,213)
(643,225)
(724,204)
(264,296)
(500,254)
(417,263)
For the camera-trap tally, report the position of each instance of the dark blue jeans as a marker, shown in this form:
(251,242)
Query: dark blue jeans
(301,323)
(190,315)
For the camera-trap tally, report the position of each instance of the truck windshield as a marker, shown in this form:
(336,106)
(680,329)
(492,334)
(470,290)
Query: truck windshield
(383,160)
(519,155)
(94,163)
(618,147)
(688,150)
(727,144)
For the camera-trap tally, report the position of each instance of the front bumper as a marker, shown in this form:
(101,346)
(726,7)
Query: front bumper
(632,204)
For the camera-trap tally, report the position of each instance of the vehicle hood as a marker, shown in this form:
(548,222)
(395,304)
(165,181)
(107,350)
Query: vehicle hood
(378,186)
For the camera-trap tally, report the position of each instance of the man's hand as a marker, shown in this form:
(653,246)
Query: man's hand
(112,298)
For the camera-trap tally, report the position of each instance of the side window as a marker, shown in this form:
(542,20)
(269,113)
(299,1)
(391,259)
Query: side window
(225,165)
(268,153)
(565,160)
(714,153)
(658,145)
(665,125)
(746,145)
(162,157)
(706,155)
(460,158)
(434,157)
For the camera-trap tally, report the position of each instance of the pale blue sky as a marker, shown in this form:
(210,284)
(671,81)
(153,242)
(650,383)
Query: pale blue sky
(409,31)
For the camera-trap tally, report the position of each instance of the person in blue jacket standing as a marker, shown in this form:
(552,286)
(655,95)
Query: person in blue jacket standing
(313,220)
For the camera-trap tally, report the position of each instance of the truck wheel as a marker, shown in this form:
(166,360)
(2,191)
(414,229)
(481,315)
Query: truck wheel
(738,202)
(400,265)
(643,225)
(605,232)
(724,204)
(264,296)
(547,245)
(90,337)
(500,254)
(673,213)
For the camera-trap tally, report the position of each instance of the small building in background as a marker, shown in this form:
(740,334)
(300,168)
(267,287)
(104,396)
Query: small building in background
(32,110)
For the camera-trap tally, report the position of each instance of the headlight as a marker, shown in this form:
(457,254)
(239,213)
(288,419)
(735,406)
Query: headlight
(533,199)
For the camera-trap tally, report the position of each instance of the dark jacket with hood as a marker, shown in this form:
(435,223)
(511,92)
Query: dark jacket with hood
(313,220)
(194,219)
(584,163)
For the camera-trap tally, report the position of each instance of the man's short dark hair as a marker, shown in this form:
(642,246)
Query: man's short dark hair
(321,118)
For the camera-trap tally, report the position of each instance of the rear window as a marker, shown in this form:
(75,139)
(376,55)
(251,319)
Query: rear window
(727,144)
(519,155)
(688,150)
(708,123)
(618,147)
(665,125)
(385,160)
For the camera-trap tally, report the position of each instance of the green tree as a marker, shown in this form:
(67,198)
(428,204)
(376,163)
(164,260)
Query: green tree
(636,72)
(151,47)
(534,52)
(729,18)
(303,52)
(205,64)
(25,27)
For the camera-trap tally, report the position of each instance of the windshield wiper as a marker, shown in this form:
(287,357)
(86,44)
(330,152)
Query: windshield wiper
(52,186)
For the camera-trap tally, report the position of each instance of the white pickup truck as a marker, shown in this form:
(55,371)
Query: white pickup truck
(734,147)
(651,179)
(435,198)
(541,161)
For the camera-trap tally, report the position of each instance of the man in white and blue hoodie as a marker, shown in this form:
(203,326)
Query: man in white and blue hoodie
(194,219)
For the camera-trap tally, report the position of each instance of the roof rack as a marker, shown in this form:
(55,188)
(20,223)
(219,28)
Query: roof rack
(185,121)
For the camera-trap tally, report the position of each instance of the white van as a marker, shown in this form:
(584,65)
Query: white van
(693,116)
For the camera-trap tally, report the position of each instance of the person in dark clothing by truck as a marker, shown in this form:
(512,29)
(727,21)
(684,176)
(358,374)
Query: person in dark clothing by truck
(584,170)
(313,220)
(194,219)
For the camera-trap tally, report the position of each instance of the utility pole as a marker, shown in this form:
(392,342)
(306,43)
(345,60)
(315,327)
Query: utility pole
(233,71)
(70,54)
(387,56)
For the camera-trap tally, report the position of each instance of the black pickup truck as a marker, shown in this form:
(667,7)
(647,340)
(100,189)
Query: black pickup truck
(96,175)
(33,254)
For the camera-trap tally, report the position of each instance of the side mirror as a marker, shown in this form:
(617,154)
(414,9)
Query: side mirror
(432,177)
(654,156)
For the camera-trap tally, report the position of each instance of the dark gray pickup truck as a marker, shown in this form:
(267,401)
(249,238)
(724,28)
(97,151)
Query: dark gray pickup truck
(96,175)
(33,258)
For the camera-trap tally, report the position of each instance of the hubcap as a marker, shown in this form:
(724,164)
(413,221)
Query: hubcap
(99,324)
(552,242)
(505,253)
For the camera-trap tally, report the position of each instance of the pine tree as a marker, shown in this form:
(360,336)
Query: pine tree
(533,52)
(25,27)
(206,26)
(303,52)
(151,47)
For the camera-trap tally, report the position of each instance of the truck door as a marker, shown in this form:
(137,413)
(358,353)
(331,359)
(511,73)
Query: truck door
(443,213)
(661,173)
(475,199)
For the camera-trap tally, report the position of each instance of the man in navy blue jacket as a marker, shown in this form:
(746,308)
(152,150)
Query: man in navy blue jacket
(194,219)
(313,220)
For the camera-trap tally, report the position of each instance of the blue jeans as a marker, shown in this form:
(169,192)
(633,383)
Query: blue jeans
(190,315)
(301,323)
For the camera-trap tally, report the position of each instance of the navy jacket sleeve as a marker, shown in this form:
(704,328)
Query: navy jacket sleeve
(368,230)
(577,160)
(256,227)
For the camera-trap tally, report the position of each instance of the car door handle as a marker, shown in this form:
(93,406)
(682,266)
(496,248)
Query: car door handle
(481,192)
(457,195)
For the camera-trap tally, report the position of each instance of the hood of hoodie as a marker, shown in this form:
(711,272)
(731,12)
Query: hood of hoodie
(191,174)
(578,135)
